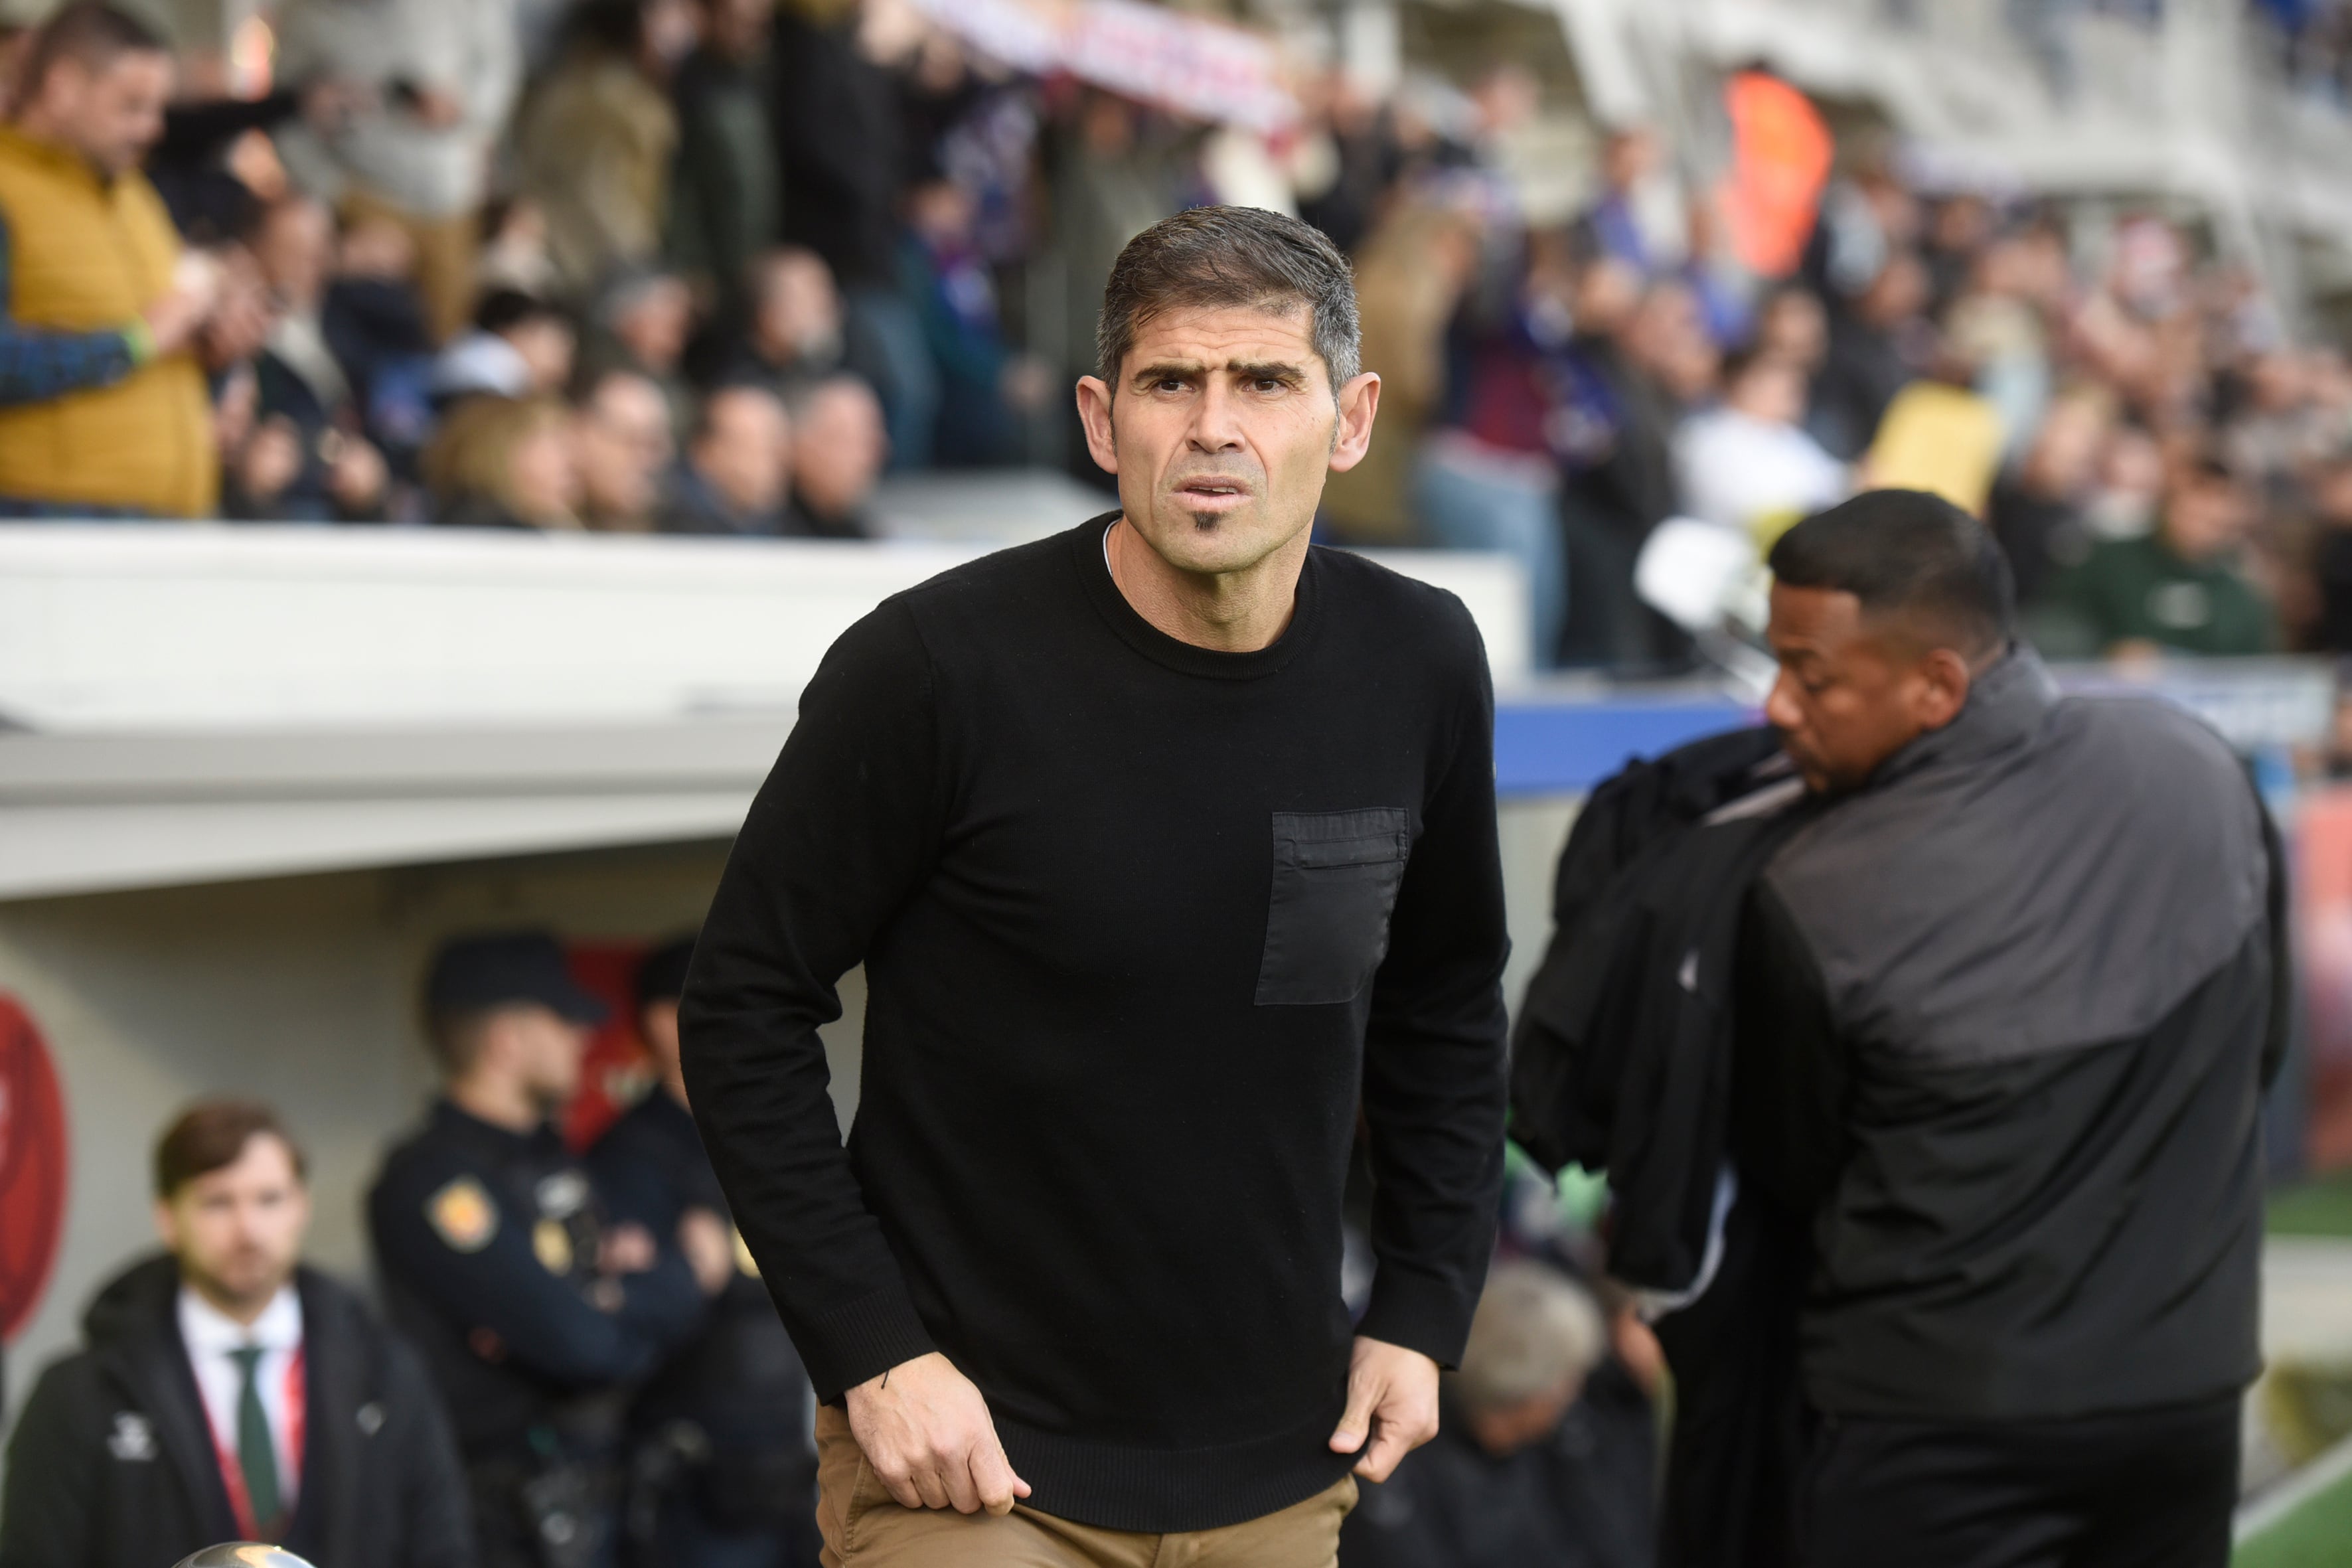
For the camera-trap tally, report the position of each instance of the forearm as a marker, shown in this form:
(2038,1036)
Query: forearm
(38,366)
(843,832)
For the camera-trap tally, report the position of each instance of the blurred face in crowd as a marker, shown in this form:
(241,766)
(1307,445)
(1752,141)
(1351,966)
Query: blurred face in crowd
(1606,294)
(621,443)
(1505,1429)
(537,1049)
(296,246)
(1794,328)
(839,446)
(1221,431)
(110,111)
(1898,293)
(237,1231)
(654,324)
(2206,515)
(737,30)
(542,482)
(797,310)
(743,452)
(1769,390)
(377,248)
(1854,689)
(546,345)
(2065,459)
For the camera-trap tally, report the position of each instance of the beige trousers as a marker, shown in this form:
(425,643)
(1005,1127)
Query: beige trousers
(864,1527)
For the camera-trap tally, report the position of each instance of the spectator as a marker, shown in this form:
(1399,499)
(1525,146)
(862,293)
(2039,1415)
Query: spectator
(722,1431)
(1532,1464)
(2178,590)
(796,330)
(622,446)
(102,398)
(301,390)
(738,466)
(1748,464)
(2331,557)
(253,1397)
(519,347)
(534,1313)
(984,388)
(2037,511)
(1409,282)
(1874,350)
(594,140)
(505,463)
(844,160)
(643,320)
(374,323)
(1614,434)
(839,449)
(446,77)
(725,189)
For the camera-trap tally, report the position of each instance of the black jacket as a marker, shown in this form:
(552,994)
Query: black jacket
(2025,988)
(1621,1062)
(112,1463)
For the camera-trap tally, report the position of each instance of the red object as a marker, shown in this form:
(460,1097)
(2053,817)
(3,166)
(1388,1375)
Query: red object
(33,1169)
(618,1069)
(1781,156)
(2322,897)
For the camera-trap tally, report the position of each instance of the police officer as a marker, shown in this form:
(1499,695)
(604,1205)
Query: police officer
(534,1315)
(725,1469)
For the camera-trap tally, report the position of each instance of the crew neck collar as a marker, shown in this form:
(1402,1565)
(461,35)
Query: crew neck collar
(1088,547)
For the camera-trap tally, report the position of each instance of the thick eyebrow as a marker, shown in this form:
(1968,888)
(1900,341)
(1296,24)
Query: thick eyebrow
(1193,370)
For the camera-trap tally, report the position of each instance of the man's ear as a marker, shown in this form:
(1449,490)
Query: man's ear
(1359,400)
(1094,413)
(1943,688)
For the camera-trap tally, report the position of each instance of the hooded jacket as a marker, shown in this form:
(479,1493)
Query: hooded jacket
(112,1463)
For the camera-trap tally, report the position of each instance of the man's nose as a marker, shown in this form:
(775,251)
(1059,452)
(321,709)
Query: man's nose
(1216,428)
(1780,707)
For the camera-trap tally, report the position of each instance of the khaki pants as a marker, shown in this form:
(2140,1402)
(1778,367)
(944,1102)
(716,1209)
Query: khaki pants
(864,1527)
(447,250)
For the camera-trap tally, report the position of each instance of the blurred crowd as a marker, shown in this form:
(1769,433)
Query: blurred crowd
(715,266)
(568,1359)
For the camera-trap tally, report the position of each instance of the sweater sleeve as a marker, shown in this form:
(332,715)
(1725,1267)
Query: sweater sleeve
(844,830)
(1435,1054)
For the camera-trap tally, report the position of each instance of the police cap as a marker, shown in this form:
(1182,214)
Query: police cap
(506,968)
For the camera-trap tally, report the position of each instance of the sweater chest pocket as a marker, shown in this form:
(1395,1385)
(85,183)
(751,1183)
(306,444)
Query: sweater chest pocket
(1336,875)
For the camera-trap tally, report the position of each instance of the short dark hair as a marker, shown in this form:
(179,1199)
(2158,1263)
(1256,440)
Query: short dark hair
(211,1136)
(88,31)
(661,973)
(1910,554)
(503,310)
(1230,256)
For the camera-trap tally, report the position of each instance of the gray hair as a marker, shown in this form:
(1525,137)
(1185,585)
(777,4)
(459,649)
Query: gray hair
(1535,1329)
(1232,255)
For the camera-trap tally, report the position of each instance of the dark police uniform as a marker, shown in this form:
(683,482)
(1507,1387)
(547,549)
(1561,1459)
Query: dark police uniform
(488,1241)
(727,1417)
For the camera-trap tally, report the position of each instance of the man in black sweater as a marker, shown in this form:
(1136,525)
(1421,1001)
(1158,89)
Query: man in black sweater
(1168,845)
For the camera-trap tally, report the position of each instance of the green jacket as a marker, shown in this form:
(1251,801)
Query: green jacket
(2137,590)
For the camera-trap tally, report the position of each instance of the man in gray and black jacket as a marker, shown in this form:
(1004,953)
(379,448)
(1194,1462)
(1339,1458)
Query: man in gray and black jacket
(2007,1009)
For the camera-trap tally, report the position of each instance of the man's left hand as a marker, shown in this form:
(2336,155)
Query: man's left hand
(1391,1401)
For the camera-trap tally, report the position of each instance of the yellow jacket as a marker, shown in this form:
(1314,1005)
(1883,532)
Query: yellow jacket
(86,254)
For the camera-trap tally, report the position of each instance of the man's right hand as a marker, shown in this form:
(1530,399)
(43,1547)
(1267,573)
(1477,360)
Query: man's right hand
(926,1430)
(173,318)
